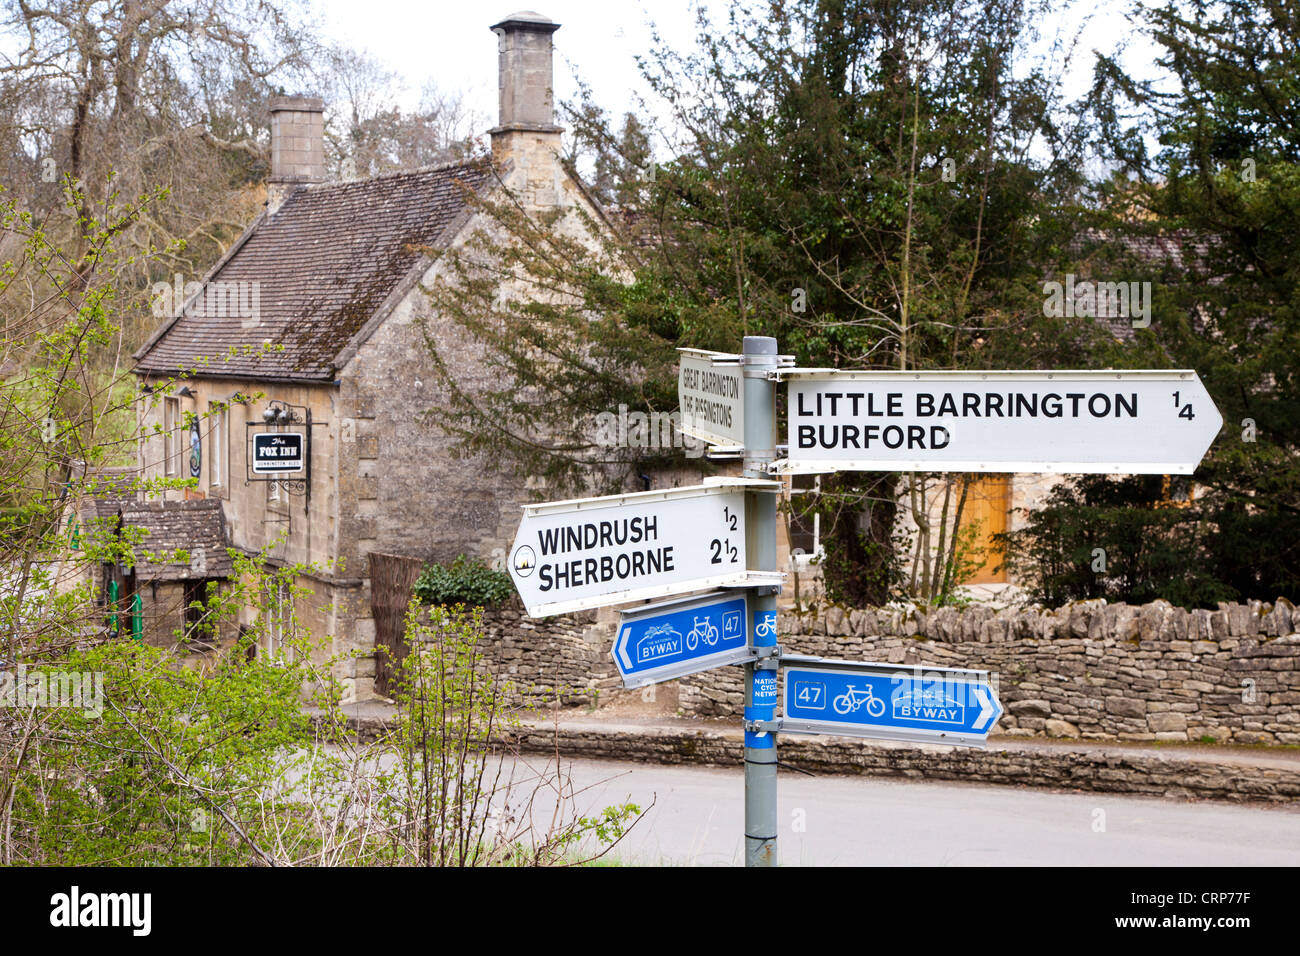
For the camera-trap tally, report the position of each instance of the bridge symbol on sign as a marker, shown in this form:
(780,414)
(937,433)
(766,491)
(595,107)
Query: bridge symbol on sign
(933,703)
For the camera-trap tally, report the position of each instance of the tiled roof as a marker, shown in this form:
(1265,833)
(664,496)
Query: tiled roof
(194,527)
(317,271)
(103,494)
(1108,255)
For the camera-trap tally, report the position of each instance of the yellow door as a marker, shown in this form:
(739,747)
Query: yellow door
(989,503)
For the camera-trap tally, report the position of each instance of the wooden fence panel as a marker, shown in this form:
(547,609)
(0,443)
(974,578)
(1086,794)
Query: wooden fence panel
(391,578)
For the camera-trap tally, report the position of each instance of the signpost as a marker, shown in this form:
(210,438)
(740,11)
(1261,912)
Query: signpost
(659,642)
(570,555)
(277,453)
(1115,422)
(888,701)
(592,552)
(710,394)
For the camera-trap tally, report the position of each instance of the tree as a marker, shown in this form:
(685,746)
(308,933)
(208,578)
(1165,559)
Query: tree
(368,134)
(1222,189)
(1122,539)
(852,177)
(118,99)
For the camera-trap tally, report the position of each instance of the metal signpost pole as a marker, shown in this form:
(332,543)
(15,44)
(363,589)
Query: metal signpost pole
(760,674)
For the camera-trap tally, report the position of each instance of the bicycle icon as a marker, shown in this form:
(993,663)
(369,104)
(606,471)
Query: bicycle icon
(853,699)
(704,628)
(765,626)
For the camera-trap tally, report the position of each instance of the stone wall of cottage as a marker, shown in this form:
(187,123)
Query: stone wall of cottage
(565,657)
(1090,670)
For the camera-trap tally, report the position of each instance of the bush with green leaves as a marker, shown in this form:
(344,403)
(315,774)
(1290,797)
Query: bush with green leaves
(467,581)
(1098,536)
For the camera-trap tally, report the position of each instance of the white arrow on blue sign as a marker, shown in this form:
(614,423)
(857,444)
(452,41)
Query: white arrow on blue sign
(890,702)
(662,641)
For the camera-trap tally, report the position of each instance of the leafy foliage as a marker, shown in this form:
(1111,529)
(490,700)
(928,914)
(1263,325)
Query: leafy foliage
(173,772)
(467,581)
(1223,189)
(1116,538)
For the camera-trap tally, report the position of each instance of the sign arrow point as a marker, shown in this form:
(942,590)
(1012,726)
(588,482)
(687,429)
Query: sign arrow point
(621,646)
(982,695)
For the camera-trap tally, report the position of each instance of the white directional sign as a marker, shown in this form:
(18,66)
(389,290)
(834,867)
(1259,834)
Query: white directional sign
(591,552)
(1123,422)
(712,397)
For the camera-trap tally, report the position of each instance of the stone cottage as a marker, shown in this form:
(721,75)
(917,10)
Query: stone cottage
(291,382)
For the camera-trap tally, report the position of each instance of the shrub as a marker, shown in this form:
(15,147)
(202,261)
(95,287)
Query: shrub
(1121,539)
(449,788)
(467,581)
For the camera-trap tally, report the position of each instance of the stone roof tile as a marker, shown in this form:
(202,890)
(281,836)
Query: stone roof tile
(317,271)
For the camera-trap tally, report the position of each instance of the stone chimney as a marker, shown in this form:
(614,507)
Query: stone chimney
(526,135)
(297,145)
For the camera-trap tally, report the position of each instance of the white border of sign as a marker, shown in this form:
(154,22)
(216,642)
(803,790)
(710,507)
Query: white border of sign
(831,728)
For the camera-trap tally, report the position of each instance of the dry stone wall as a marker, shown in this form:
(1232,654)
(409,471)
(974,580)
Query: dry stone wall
(567,655)
(1090,670)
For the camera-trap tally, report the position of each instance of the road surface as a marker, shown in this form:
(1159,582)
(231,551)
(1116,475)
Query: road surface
(697,819)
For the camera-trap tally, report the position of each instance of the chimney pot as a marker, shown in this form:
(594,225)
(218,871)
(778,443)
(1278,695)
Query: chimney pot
(525,72)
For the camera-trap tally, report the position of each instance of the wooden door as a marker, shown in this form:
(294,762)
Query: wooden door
(989,504)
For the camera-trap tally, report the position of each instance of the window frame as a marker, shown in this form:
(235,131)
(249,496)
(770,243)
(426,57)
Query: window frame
(219,449)
(277,612)
(171,435)
(804,561)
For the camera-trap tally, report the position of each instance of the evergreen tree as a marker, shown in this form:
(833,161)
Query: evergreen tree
(850,176)
(1220,195)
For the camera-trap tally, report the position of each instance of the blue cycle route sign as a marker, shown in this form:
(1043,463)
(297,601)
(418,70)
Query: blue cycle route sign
(662,641)
(939,705)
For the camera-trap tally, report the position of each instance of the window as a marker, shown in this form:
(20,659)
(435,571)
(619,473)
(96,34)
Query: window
(218,449)
(805,526)
(196,609)
(171,434)
(277,615)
